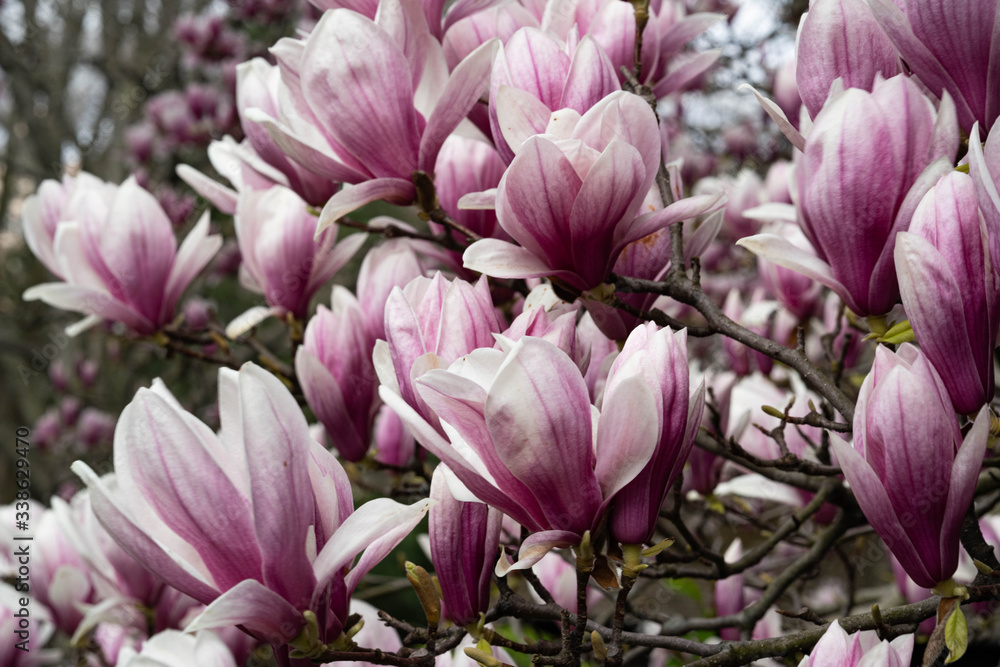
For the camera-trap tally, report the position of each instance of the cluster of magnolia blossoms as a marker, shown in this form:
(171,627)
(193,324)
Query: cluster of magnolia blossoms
(887,218)
(573,420)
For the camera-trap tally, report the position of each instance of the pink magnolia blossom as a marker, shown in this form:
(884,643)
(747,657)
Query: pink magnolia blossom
(281,534)
(429,324)
(659,358)
(257,162)
(840,39)
(120,260)
(53,202)
(572,201)
(909,467)
(950,291)
(392,119)
(281,258)
(865,168)
(393,263)
(666,67)
(334,367)
(541,75)
(519,432)
(862,649)
(464,537)
(952,48)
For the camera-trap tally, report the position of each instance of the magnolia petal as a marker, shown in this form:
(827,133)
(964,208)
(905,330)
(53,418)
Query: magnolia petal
(591,76)
(520,115)
(255,607)
(84,300)
(532,412)
(479,201)
(626,435)
(698,241)
(298,149)
(195,252)
(393,531)
(277,442)
(964,473)
(500,259)
(778,116)
(160,455)
(137,542)
(784,253)
(469,81)
(877,507)
(373,119)
(918,56)
(683,69)
(350,199)
(934,304)
(772,212)
(459,402)
(327,402)
(249,319)
(219,195)
(378,524)
(534,548)
(77,328)
(683,209)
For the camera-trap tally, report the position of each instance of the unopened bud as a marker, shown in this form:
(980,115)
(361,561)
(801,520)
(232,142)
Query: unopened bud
(585,554)
(427,593)
(482,657)
(773,411)
(658,547)
(598,646)
(355,629)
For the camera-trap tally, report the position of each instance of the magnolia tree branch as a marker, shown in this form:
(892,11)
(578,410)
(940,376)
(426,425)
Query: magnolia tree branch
(681,288)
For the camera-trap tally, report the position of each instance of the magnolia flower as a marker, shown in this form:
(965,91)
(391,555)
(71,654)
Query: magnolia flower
(465,34)
(62,582)
(334,367)
(572,200)
(537,74)
(467,165)
(866,166)
(464,537)
(393,117)
(258,162)
(862,649)
(910,469)
(429,324)
(657,357)
(666,68)
(949,289)
(840,39)
(120,260)
(952,48)
(281,258)
(392,263)
(521,435)
(53,202)
(256,522)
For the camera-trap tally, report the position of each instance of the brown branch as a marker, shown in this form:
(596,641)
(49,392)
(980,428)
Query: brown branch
(678,286)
